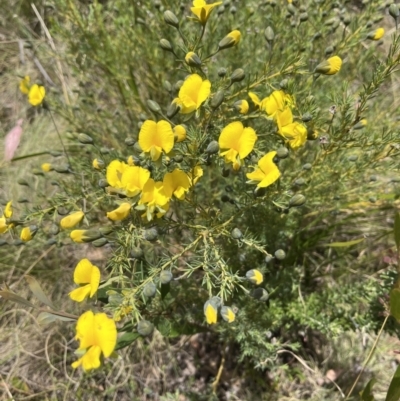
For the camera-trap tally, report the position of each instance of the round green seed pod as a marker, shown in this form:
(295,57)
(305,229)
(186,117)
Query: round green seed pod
(217,99)
(150,234)
(212,148)
(299,182)
(373,178)
(238,75)
(165,277)
(98,243)
(137,253)
(280,254)
(102,183)
(352,158)
(171,19)
(269,258)
(297,200)
(154,106)
(178,159)
(260,294)
(306,117)
(282,152)
(145,328)
(85,139)
(307,166)
(236,234)
(129,141)
(149,290)
(222,72)
(166,45)
(54,229)
(269,34)
(394,11)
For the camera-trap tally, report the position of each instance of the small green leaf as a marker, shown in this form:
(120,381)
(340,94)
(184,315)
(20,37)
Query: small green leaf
(397,230)
(48,317)
(163,326)
(345,244)
(38,291)
(126,339)
(366,394)
(394,303)
(10,296)
(393,393)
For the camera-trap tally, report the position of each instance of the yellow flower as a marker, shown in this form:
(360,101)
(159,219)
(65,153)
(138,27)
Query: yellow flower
(8,210)
(255,276)
(24,84)
(257,101)
(36,95)
(266,173)
(230,40)
(179,133)
(46,167)
(210,312)
(176,183)
(81,236)
(239,141)
(96,334)
(156,137)
(85,273)
(193,93)
(129,179)
(195,175)
(242,106)
(121,213)
(130,161)
(3,225)
(72,220)
(202,10)
(276,102)
(153,200)
(377,34)
(228,314)
(361,124)
(329,67)
(294,132)
(98,164)
(27,234)
(193,59)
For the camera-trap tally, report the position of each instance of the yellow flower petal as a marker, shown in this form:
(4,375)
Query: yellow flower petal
(267,173)
(3,225)
(211,313)
(26,234)
(133,180)
(193,93)
(80,293)
(176,183)
(179,133)
(156,136)
(36,95)
(105,333)
(72,220)
(121,213)
(83,272)
(24,84)
(202,10)
(114,173)
(46,167)
(8,211)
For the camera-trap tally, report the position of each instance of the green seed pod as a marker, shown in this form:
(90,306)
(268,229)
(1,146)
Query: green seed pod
(303,17)
(306,117)
(233,10)
(217,99)
(373,178)
(307,166)
(316,36)
(346,20)
(165,277)
(236,234)
(22,181)
(394,11)
(178,85)
(137,253)
(149,290)
(192,59)
(269,258)
(269,34)
(104,151)
(54,229)
(172,110)
(222,72)
(227,314)
(212,148)
(129,141)
(102,183)
(154,106)
(280,254)
(137,148)
(85,139)
(178,159)
(297,200)
(51,241)
(238,75)
(145,328)
(22,199)
(291,9)
(372,199)
(18,242)
(220,10)
(284,84)
(62,169)
(255,276)
(3,242)
(98,243)
(166,45)
(171,19)
(150,234)
(259,192)
(352,158)
(55,153)
(299,182)
(329,50)
(55,183)
(167,86)
(260,294)
(106,230)
(282,152)
(36,171)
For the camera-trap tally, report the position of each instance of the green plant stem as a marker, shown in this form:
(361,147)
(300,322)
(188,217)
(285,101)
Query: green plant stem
(59,137)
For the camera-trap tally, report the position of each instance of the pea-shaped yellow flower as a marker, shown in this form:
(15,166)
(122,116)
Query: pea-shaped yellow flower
(81,236)
(96,334)
(329,67)
(202,10)
(46,167)
(255,276)
(210,312)
(377,34)
(266,173)
(294,132)
(72,219)
(179,133)
(120,213)
(228,314)
(156,137)
(153,200)
(193,93)
(36,94)
(230,40)
(239,141)
(242,106)
(176,184)
(27,233)
(85,273)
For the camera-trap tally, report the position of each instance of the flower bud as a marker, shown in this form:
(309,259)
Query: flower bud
(221,72)
(299,182)
(173,109)
(54,230)
(307,166)
(104,150)
(329,67)
(280,254)
(238,75)
(217,99)
(178,158)
(129,141)
(297,200)
(137,253)
(85,139)
(3,242)
(51,241)
(72,220)
(329,50)
(178,85)
(22,181)
(236,234)
(210,311)
(145,328)
(22,199)
(352,158)
(46,167)
(179,133)
(149,290)
(28,233)
(81,236)
(165,277)
(150,234)
(106,230)
(102,183)
(55,153)
(242,106)
(171,19)
(228,314)
(62,169)
(212,148)
(291,8)
(154,106)
(260,294)
(282,152)
(98,243)
(269,258)
(98,164)
(269,34)
(394,11)
(192,59)
(303,17)
(137,147)
(166,45)
(255,276)
(377,34)
(373,178)
(230,40)
(306,117)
